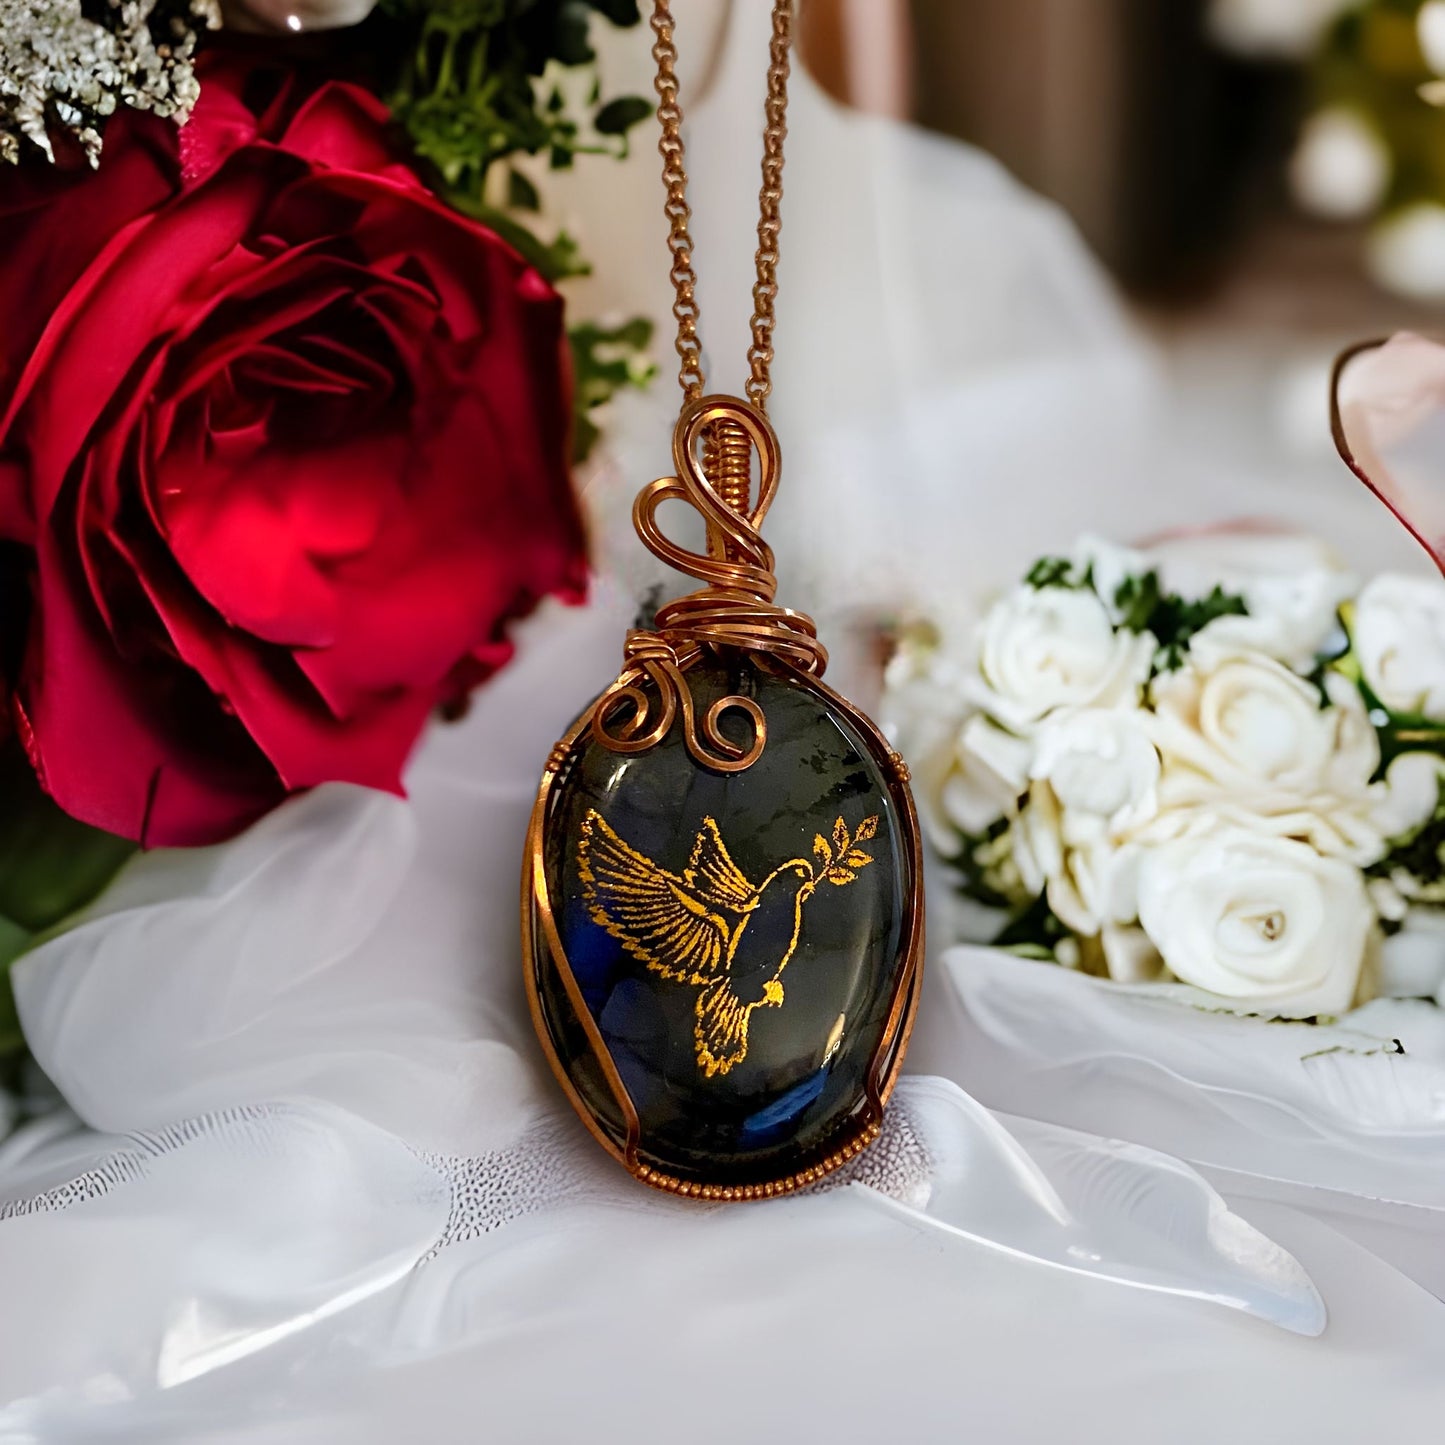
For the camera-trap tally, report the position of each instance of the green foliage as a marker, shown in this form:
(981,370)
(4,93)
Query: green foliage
(618,116)
(483,81)
(1398,732)
(14,940)
(1143,606)
(1035,932)
(522,195)
(50,866)
(980,866)
(1420,856)
(485,84)
(1059,572)
(1371,63)
(605,360)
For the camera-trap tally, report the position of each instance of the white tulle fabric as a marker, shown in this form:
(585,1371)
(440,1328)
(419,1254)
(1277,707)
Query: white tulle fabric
(311,1182)
(1346,1119)
(308,1137)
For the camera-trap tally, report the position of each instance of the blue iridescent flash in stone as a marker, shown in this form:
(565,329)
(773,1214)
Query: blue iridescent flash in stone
(737,938)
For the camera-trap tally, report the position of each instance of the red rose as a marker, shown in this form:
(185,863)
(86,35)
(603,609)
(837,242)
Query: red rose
(290,449)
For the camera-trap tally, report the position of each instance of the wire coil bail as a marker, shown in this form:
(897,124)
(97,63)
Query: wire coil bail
(712,448)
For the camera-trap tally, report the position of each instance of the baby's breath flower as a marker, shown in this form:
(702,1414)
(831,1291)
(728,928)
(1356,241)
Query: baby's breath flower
(62,71)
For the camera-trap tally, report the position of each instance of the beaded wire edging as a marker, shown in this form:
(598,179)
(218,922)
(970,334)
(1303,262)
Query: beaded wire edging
(689,1189)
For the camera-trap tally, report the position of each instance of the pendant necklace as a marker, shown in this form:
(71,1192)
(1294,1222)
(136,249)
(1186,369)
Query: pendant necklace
(722,906)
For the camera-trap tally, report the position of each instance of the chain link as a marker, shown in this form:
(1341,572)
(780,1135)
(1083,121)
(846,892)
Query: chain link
(679,214)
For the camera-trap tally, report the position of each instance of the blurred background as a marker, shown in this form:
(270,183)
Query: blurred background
(1265,179)
(1049,267)
(1203,146)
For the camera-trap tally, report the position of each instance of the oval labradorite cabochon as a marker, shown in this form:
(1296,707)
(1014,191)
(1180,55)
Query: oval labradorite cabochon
(744,944)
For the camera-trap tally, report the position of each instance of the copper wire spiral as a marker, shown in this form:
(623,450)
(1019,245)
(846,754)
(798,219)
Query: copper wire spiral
(712,449)
(727,462)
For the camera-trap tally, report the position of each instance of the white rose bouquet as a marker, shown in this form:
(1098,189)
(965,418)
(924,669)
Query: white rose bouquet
(1212,764)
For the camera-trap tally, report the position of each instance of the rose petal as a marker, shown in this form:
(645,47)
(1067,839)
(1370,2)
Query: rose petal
(108,733)
(53,223)
(1389,405)
(343,127)
(293,447)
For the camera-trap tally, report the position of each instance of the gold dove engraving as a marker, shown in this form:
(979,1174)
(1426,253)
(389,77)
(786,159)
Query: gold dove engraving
(709,927)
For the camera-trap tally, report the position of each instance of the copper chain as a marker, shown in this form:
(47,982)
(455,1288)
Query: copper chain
(679,214)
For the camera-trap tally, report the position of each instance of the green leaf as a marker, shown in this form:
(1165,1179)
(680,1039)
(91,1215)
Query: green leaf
(521,193)
(1050,572)
(635,334)
(475,83)
(620,12)
(1136,599)
(570,42)
(1035,928)
(1060,572)
(618,116)
(1143,606)
(50,864)
(1420,854)
(556,259)
(585,435)
(1398,732)
(14,941)
(605,360)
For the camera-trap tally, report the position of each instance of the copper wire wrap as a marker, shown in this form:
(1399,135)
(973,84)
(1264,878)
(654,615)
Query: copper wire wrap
(734,609)
(727,462)
(712,450)
(679,215)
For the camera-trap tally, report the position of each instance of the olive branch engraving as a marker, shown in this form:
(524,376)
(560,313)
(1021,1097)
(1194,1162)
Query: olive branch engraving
(840,860)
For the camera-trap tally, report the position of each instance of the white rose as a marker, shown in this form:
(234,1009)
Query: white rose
(1399,638)
(1412,961)
(1412,793)
(1076,878)
(1281,28)
(1087,877)
(1047,647)
(1292,586)
(1341,167)
(1244,738)
(1110,565)
(1265,921)
(1093,776)
(1130,955)
(1102,767)
(979,782)
(1405,251)
(1430,31)
(928,718)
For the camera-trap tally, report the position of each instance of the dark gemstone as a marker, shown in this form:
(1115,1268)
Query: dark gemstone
(736,938)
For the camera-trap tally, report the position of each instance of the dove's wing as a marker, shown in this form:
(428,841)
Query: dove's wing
(712,872)
(660,920)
